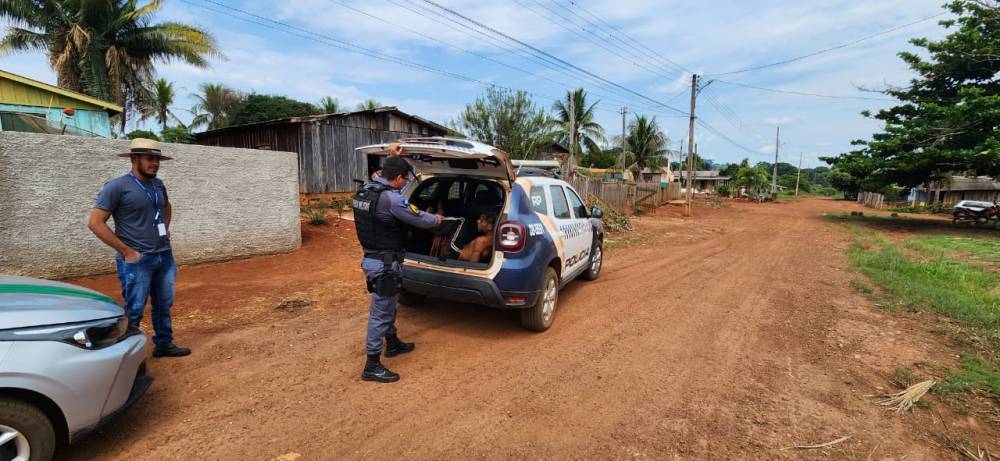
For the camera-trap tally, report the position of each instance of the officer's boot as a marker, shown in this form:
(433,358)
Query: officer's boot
(374,371)
(394,347)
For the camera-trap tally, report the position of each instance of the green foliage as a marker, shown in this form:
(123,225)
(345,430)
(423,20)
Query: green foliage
(106,49)
(177,134)
(330,105)
(976,374)
(262,107)
(162,98)
(588,132)
(601,158)
(646,142)
(945,121)
(142,134)
(982,249)
(216,104)
(368,104)
(755,180)
(509,121)
(316,213)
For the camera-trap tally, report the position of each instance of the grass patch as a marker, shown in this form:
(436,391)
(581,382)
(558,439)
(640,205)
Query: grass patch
(862,286)
(622,240)
(316,213)
(938,245)
(936,279)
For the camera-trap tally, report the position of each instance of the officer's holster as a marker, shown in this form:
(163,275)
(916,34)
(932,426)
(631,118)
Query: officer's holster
(387,283)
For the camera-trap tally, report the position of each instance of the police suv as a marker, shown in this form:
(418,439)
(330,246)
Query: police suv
(543,234)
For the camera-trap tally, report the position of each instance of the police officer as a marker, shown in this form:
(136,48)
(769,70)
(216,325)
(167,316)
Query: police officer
(380,217)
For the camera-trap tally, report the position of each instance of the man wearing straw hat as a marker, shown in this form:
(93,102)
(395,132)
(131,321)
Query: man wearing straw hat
(138,202)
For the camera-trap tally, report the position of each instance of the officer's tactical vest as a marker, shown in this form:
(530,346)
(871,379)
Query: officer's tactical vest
(375,234)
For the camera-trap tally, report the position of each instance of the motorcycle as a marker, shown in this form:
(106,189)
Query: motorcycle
(977,213)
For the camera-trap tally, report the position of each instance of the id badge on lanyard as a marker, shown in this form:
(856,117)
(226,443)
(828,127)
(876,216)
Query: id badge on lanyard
(161,227)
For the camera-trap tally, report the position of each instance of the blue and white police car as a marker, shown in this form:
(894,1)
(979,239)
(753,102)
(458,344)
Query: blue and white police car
(543,235)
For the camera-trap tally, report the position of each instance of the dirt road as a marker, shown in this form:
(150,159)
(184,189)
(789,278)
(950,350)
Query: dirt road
(732,335)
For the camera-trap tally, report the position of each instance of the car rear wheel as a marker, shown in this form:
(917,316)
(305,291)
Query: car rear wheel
(596,261)
(411,299)
(539,317)
(26,434)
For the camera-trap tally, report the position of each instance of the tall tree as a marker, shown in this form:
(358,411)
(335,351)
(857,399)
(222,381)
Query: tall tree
(646,142)
(946,119)
(161,100)
(107,49)
(262,107)
(369,104)
(216,103)
(588,132)
(510,121)
(330,105)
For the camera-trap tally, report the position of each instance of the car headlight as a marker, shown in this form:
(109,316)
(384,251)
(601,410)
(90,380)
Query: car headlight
(94,334)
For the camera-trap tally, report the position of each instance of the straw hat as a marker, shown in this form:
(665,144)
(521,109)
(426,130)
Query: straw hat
(143,146)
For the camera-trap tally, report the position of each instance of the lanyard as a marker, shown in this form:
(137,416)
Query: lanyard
(151,196)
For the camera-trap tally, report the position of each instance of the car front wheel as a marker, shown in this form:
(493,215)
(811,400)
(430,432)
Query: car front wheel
(26,434)
(539,317)
(596,261)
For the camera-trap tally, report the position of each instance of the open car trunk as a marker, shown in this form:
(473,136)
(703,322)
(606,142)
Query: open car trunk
(463,200)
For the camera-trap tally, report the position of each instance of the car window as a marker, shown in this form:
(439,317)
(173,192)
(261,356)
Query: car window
(538,201)
(428,192)
(455,192)
(560,209)
(579,209)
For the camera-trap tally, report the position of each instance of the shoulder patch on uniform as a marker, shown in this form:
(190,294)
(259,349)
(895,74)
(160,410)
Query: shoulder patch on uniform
(414,209)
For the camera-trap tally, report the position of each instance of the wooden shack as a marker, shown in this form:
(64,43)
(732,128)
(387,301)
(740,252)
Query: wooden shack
(325,143)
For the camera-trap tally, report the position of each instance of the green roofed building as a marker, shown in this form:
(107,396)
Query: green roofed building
(35,107)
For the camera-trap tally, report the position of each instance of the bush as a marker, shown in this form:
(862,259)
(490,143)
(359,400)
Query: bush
(316,213)
(142,134)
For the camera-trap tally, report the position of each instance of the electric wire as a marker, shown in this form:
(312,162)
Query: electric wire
(826,50)
(549,55)
(802,93)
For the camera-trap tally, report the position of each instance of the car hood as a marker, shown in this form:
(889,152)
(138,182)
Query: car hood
(435,156)
(29,302)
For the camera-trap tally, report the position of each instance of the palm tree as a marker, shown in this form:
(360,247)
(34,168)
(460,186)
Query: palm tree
(330,105)
(369,104)
(646,142)
(106,49)
(215,105)
(162,98)
(588,132)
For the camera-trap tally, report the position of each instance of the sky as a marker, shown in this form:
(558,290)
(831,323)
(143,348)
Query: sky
(634,53)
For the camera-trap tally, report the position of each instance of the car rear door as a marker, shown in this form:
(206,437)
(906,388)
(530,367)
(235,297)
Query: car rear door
(575,234)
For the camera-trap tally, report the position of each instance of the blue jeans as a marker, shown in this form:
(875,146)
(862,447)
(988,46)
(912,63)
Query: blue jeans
(382,310)
(151,277)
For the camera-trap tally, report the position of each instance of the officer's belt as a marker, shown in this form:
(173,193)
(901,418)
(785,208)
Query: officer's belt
(386,257)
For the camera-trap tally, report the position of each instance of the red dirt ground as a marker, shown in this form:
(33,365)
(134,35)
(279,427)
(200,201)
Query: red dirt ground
(731,335)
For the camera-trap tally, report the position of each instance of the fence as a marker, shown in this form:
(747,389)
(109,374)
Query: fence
(872,200)
(625,197)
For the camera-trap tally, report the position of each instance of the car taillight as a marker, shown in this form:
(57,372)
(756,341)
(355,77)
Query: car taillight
(511,236)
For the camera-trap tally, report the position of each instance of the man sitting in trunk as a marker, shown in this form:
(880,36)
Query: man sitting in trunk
(480,247)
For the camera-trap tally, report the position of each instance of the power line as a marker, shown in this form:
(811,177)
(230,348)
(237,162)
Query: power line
(826,50)
(544,53)
(623,34)
(803,93)
(545,61)
(465,50)
(670,72)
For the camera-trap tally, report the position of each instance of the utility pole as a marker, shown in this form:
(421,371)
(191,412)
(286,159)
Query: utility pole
(572,136)
(691,119)
(798,175)
(774,176)
(624,113)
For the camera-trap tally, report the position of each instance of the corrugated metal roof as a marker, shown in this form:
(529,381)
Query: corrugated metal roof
(312,118)
(19,90)
(964,183)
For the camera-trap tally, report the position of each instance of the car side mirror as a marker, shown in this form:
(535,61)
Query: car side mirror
(596,213)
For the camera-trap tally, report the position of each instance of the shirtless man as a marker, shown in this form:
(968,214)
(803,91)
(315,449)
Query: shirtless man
(481,246)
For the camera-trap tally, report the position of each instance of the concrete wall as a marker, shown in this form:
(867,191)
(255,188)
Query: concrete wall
(227,203)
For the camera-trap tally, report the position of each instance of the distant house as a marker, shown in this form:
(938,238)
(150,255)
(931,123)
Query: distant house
(551,151)
(663,175)
(981,188)
(325,143)
(31,106)
(707,181)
